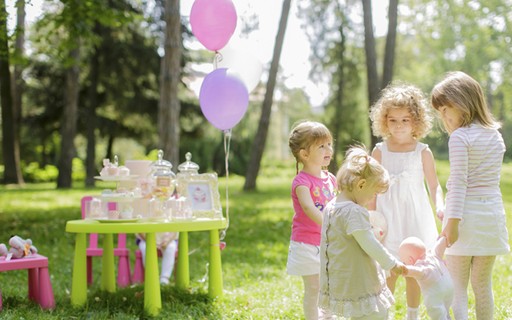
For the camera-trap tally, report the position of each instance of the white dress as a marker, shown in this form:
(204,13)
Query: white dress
(406,205)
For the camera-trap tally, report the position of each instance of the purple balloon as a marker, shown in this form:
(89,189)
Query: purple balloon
(223,98)
(213,22)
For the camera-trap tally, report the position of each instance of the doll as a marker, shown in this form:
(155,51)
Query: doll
(379,225)
(429,269)
(19,248)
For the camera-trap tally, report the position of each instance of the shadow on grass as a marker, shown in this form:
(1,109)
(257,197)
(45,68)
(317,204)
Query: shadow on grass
(257,242)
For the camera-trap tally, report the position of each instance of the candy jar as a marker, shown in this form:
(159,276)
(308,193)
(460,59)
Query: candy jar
(163,177)
(188,167)
(95,209)
(186,170)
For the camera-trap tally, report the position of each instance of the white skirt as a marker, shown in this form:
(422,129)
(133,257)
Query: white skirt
(482,230)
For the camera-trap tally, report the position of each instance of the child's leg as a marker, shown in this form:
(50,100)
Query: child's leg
(168,256)
(459,267)
(310,302)
(413,293)
(142,248)
(481,282)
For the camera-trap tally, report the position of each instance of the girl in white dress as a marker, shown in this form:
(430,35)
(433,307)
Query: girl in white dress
(400,117)
(352,283)
(474,223)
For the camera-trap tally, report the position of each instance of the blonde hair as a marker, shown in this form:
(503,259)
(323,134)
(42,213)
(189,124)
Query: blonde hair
(305,134)
(459,90)
(358,164)
(401,96)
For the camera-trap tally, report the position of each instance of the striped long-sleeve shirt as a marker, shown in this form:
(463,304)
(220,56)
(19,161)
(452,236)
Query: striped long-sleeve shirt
(476,157)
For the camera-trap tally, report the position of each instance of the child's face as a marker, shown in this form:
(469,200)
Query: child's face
(452,117)
(318,154)
(400,122)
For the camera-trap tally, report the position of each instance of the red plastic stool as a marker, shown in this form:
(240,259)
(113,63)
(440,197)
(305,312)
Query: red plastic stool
(39,284)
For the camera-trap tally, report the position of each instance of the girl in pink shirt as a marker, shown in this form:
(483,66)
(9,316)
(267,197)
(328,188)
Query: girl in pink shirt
(313,186)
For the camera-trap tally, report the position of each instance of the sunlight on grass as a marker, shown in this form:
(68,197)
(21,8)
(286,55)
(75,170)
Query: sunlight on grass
(256,285)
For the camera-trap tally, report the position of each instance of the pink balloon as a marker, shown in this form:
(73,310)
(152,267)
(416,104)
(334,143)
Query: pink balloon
(213,22)
(223,98)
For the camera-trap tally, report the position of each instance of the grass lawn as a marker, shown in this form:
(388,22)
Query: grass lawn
(256,285)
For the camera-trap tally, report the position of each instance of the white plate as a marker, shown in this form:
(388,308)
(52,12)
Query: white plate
(116,178)
(120,197)
(116,220)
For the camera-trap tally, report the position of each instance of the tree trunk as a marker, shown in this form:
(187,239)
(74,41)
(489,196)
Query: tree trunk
(18,83)
(90,117)
(371,58)
(261,135)
(68,124)
(170,72)
(389,54)
(110,148)
(10,150)
(338,113)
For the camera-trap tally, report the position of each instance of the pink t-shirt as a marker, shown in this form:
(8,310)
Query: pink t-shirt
(322,190)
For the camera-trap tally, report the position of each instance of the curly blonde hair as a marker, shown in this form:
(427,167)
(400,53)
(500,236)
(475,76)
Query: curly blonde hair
(397,96)
(358,164)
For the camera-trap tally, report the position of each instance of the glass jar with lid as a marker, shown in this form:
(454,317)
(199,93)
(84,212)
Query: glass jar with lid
(162,177)
(188,167)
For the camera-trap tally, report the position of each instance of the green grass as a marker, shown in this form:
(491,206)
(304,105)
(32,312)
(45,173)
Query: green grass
(256,285)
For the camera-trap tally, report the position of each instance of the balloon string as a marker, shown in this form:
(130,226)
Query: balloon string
(227,142)
(216,59)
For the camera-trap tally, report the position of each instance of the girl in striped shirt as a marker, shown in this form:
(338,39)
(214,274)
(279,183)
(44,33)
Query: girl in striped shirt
(474,219)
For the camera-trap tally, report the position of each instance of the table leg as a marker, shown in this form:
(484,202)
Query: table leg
(152,295)
(215,286)
(79,282)
(33,284)
(182,269)
(108,277)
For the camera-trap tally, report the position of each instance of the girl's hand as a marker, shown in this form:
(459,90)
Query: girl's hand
(451,231)
(399,269)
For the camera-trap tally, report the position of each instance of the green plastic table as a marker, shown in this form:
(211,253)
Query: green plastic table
(152,295)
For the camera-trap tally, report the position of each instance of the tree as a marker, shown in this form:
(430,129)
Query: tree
(69,117)
(92,105)
(169,107)
(374,85)
(18,83)
(389,53)
(81,21)
(10,150)
(261,134)
(336,59)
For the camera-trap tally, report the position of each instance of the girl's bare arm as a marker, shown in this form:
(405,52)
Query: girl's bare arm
(307,204)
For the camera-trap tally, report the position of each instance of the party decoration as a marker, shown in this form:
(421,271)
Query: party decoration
(213,22)
(237,56)
(223,98)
